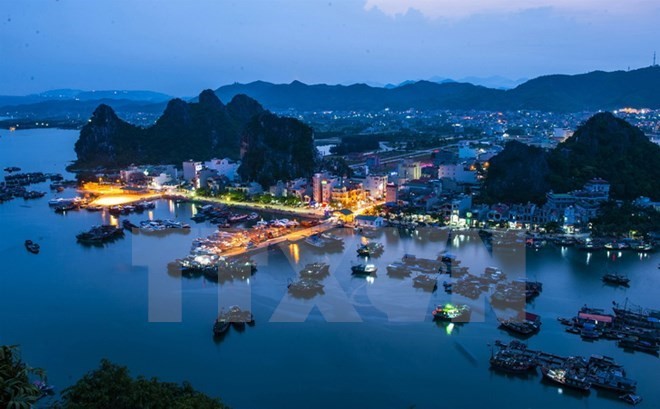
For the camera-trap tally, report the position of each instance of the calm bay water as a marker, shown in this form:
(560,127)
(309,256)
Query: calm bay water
(70,306)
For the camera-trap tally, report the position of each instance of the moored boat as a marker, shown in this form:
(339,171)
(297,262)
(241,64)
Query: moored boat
(636,343)
(206,264)
(614,278)
(617,245)
(100,234)
(239,317)
(63,208)
(425,282)
(514,363)
(128,225)
(305,287)
(590,246)
(331,237)
(315,270)
(315,240)
(530,324)
(566,378)
(631,398)
(221,325)
(364,269)
(398,269)
(452,312)
(32,247)
(370,249)
(612,381)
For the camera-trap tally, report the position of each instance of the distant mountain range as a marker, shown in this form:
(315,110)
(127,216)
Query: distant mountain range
(68,94)
(78,105)
(495,81)
(593,91)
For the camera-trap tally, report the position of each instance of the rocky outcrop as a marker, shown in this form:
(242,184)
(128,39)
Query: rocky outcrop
(610,148)
(603,147)
(107,139)
(201,130)
(518,174)
(275,148)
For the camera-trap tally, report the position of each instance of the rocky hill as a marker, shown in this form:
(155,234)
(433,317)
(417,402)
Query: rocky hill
(518,174)
(272,147)
(275,148)
(604,146)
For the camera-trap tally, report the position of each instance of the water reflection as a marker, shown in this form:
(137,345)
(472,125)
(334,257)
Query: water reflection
(294,251)
(174,270)
(547,384)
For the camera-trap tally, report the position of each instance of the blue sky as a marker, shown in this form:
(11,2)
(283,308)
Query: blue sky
(181,47)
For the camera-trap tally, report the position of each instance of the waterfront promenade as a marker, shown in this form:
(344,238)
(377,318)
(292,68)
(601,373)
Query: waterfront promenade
(298,211)
(286,238)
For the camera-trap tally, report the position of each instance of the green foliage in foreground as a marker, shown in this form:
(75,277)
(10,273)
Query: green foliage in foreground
(16,390)
(111,387)
(108,387)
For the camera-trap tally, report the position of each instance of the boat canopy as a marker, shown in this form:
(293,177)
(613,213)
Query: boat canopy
(595,317)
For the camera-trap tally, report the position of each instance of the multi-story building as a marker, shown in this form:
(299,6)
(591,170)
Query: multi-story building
(349,194)
(559,201)
(322,185)
(598,188)
(225,167)
(391,193)
(461,173)
(587,200)
(203,176)
(132,175)
(409,170)
(161,181)
(375,185)
(299,188)
(155,176)
(190,169)
(455,208)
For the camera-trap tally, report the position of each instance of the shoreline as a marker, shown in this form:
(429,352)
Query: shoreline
(253,206)
(291,237)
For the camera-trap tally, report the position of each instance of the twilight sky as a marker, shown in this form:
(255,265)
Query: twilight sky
(183,46)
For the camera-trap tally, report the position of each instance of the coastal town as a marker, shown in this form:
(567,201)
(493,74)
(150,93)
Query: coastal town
(391,186)
(285,204)
(415,215)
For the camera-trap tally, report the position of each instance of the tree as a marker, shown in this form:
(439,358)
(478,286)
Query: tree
(265,198)
(16,390)
(552,227)
(112,387)
(623,219)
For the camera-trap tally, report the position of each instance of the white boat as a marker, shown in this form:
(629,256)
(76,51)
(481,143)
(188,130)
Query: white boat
(62,201)
(315,240)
